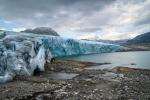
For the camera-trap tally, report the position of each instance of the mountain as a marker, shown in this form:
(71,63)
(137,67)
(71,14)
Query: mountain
(140,39)
(42,30)
(120,42)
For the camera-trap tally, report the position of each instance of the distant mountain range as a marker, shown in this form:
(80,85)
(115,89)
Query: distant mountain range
(42,30)
(114,41)
(139,43)
(140,39)
(110,41)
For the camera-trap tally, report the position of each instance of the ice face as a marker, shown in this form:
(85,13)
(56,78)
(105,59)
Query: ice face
(22,53)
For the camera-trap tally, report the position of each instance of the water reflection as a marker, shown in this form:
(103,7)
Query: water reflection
(139,59)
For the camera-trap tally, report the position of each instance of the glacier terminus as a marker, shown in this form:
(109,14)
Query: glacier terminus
(22,53)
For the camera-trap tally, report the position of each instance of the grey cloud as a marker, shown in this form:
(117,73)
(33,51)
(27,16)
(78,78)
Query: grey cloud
(88,30)
(24,8)
(52,11)
(144,15)
(75,16)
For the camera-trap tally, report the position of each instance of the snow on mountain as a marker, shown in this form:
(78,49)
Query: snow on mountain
(22,53)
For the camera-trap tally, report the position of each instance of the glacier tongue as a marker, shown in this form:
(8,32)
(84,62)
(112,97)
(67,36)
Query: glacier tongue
(22,53)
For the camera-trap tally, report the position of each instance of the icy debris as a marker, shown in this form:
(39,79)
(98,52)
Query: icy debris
(22,53)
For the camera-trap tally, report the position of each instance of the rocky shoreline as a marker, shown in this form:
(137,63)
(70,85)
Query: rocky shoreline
(119,83)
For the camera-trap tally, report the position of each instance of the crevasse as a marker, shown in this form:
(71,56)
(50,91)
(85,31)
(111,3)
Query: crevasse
(22,53)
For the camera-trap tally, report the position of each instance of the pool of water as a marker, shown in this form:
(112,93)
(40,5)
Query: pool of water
(138,59)
(61,76)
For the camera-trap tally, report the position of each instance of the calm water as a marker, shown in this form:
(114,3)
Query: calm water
(139,59)
(61,76)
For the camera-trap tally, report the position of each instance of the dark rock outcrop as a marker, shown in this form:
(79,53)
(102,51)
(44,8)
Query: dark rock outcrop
(140,39)
(42,30)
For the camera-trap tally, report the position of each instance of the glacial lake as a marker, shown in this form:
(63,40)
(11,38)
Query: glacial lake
(135,59)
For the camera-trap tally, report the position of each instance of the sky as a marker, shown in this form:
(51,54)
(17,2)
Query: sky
(79,19)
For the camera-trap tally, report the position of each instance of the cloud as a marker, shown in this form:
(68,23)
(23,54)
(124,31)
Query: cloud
(89,36)
(87,29)
(107,19)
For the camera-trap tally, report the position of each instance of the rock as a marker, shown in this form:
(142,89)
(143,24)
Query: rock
(122,69)
(42,30)
(133,63)
(134,86)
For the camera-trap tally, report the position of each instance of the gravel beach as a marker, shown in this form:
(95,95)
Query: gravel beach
(70,80)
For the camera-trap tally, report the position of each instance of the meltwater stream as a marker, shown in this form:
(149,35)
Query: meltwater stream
(136,59)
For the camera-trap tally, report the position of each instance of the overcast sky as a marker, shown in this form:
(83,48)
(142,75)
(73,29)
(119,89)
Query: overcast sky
(103,19)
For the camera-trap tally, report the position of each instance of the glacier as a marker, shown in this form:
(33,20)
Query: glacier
(22,53)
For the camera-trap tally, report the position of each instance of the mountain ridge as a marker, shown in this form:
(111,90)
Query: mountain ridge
(42,30)
(140,39)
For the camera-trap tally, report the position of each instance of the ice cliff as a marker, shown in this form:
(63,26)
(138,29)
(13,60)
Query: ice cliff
(22,53)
